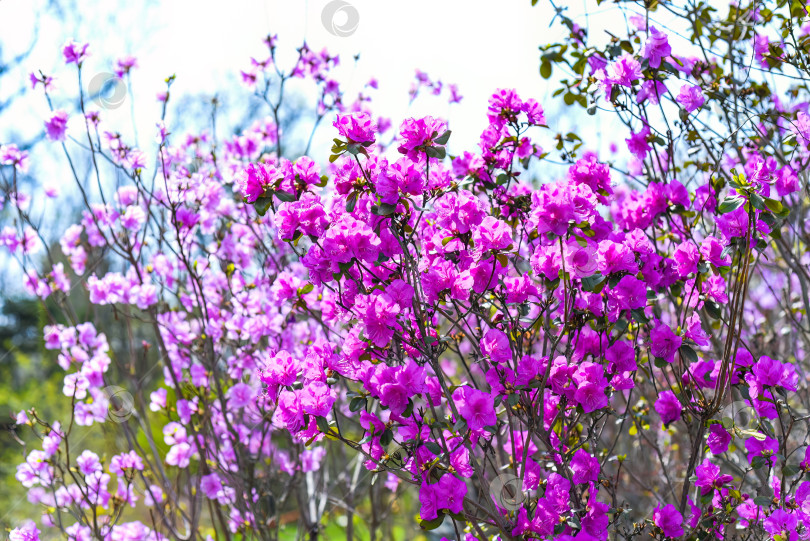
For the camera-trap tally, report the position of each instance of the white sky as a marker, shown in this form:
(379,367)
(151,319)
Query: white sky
(478,45)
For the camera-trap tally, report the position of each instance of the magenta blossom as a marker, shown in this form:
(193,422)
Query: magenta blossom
(476,407)
(417,134)
(656,48)
(75,53)
(585,467)
(691,97)
(356,127)
(56,126)
(668,519)
(668,407)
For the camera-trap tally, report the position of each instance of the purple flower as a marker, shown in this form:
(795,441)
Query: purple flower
(668,519)
(416,134)
(686,256)
(253,179)
(356,127)
(56,126)
(621,356)
(668,407)
(495,344)
(801,128)
(781,523)
(663,342)
(712,249)
(75,53)
(317,398)
(638,144)
(379,313)
(492,234)
(767,447)
(211,486)
(656,48)
(718,439)
(630,293)
(624,71)
(26,532)
(585,467)
(240,395)
(691,97)
(476,407)
(772,373)
(709,477)
(448,493)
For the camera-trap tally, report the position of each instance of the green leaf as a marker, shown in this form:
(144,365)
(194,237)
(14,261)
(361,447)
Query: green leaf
(323,424)
(688,353)
(757,202)
(774,205)
(443,138)
(433,447)
(357,403)
(262,204)
(545,69)
(763,500)
(432,524)
(638,315)
(713,309)
(285,196)
(460,426)
(351,201)
(589,283)
(730,204)
(383,209)
(386,437)
(305,289)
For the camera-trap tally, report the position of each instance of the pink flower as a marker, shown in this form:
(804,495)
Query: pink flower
(254,178)
(211,486)
(27,532)
(124,64)
(691,97)
(356,127)
(656,48)
(664,342)
(492,234)
(317,398)
(585,467)
(630,293)
(75,53)
(476,407)
(417,134)
(624,71)
(240,395)
(718,439)
(637,143)
(668,407)
(709,477)
(495,344)
(669,519)
(56,126)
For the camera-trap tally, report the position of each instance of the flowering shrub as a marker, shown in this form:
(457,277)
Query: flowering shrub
(565,360)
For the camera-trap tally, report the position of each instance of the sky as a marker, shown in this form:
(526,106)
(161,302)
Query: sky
(478,45)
